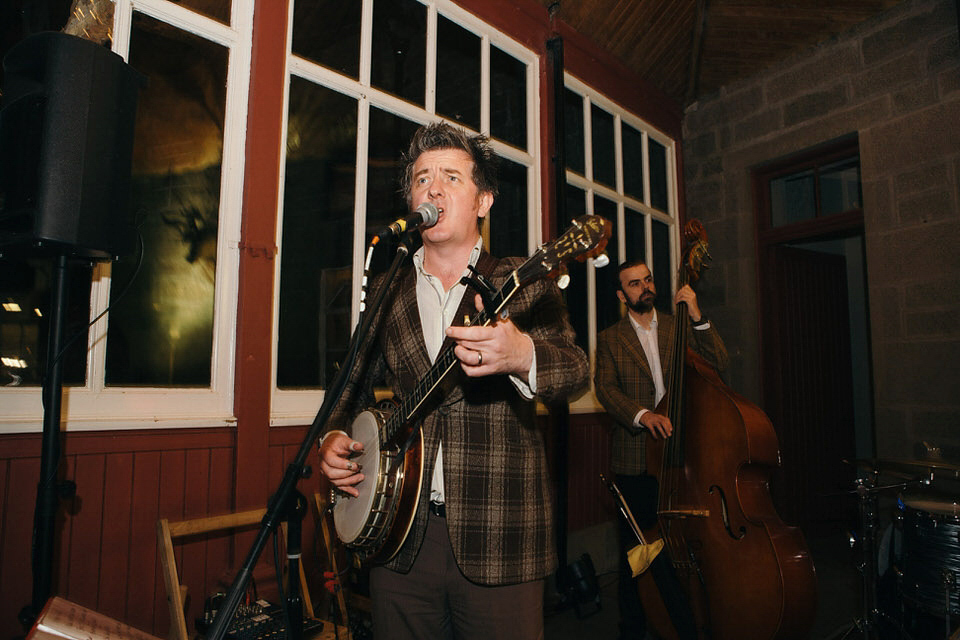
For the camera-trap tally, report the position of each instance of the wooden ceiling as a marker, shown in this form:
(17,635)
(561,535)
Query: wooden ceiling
(692,48)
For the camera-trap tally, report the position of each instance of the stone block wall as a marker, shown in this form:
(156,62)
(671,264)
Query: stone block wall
(895,81)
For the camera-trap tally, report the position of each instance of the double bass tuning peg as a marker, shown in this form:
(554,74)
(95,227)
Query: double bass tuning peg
(601,260)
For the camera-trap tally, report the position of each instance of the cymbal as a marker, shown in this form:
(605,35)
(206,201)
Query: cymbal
(908,468)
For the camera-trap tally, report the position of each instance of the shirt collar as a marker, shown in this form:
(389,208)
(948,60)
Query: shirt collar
(474,256)
(638,328)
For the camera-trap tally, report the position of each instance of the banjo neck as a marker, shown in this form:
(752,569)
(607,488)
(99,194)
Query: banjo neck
(445,362)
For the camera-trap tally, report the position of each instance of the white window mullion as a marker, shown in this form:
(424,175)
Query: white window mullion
(195,23)
(485,85)
(360,208)
(430,86)
(122,21)
(231,204)
(621,223)
(587,140)
(618,153)
(366,42)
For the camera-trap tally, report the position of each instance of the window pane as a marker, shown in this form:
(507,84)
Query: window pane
(840,187)
(792,198)
(658,175)
(662,266)
(458,73)
(604,166)
(508,98)
(508,216)
(608,306)
(399,48)
(161,331)
(389,138)
(328,32)
(216,9)
(573,134)
(632,142)
(634,235)
(317,242)
(576,292)
(25,293)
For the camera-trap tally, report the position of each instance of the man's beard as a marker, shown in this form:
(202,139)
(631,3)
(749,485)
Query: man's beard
(641,305)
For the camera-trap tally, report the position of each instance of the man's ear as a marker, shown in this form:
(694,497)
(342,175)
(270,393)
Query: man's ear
(620,295)
(484,202)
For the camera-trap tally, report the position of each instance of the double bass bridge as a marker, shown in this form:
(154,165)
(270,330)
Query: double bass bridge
(684,513)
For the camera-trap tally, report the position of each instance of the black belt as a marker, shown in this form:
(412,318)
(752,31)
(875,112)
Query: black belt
(438,509)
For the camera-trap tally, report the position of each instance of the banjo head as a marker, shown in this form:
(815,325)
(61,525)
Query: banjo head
(350,513)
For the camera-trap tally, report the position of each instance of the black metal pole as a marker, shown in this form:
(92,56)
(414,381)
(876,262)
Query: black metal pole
(44,519)
(560,411)
(297,510)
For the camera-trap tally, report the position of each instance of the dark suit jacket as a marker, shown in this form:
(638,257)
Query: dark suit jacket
(498,493)
(624,383)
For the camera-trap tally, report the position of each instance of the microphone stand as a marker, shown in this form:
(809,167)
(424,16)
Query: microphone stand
(283,503)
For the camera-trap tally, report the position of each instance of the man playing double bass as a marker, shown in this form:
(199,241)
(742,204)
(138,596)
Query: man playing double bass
(629,379)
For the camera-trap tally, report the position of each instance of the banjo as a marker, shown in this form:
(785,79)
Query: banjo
(375,524)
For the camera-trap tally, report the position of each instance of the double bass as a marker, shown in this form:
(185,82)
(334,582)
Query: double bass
(746,573)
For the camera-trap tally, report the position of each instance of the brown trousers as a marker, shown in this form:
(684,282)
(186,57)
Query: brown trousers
(435,601)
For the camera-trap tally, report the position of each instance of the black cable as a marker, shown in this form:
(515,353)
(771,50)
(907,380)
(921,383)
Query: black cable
(85,330)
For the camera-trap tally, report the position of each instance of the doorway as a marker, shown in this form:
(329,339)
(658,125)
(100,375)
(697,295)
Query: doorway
(815,353)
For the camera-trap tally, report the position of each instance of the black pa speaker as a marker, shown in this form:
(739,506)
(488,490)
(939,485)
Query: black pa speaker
(66,144)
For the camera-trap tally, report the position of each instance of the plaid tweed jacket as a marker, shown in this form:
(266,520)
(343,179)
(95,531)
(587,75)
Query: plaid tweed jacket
(499,501)
(624,383)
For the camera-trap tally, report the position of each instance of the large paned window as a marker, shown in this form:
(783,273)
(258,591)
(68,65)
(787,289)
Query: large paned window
(623,169)
(163,353)
(362,77)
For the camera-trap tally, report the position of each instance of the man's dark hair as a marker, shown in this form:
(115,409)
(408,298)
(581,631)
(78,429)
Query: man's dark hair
(440,135)
(627,264)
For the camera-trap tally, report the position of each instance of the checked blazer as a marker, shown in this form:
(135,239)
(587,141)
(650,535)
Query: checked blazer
(499,503)
(625,385)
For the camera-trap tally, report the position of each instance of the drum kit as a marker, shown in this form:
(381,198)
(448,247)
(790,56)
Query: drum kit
(910,574)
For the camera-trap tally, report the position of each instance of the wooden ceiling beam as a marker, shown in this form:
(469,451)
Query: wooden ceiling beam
(696,49)
(687,48)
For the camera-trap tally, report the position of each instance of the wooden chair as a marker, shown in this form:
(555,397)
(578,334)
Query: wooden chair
(176,592)
(329,545)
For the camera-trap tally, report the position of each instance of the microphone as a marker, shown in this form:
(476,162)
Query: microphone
(426,215)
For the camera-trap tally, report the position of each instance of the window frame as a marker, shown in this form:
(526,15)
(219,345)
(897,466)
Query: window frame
(842,148)
(587,402)
(94,406)
(296,406)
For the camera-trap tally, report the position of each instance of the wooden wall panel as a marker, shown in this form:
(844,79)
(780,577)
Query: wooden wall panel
(15,582)
(193,550)
(88,523)
(106,552)
(4,529)
(143,567)
(115,547)
(65,530)
(590,502)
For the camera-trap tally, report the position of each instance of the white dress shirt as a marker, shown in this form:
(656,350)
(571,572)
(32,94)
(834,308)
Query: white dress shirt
(651,349)
(437,308)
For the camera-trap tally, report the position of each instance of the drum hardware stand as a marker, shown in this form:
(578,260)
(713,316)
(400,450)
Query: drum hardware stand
(868,625)
(949,585)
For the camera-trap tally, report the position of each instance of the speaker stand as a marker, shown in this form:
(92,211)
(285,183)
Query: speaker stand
(49,489)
